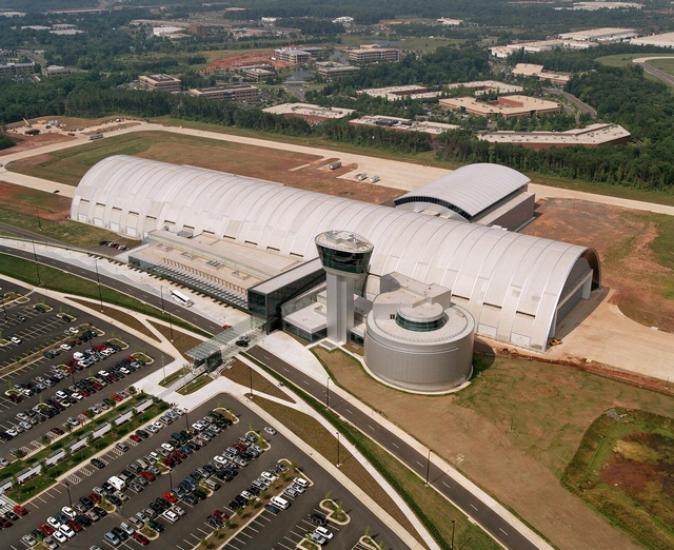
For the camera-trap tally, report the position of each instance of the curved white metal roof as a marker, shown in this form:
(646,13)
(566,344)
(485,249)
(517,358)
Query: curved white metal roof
(468,190)
(511,283)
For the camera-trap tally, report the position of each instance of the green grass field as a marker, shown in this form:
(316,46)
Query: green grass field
(666,65)
(623,469)
(624,59)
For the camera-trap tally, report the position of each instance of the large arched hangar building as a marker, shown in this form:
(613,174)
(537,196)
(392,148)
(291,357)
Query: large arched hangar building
(517,287)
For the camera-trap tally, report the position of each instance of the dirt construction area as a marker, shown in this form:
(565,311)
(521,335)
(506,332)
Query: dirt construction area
(635,248)
(296,169)
(513,431)
(233,59)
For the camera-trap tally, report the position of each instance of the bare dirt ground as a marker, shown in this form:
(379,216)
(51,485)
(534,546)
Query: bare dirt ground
(623,239)
(512,431)
(239,59)
(26,143)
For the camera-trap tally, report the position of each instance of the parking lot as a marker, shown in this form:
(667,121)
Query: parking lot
(267,530)
(76,389)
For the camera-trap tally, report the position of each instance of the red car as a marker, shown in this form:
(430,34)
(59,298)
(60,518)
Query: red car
(148,475)
(46,530)
(226,326)
(20,510)
(141,539)
(117,397)
(74,525)
(94,497)
(136,438)
(220,515)
(170,496)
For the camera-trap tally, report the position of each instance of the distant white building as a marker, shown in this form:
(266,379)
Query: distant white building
(665,40)
(344,20)
(602,35)
(447,21)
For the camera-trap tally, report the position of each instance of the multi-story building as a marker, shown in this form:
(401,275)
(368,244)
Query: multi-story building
(537,71)
(373,53)
(331,70)
(13,70)
(232,92)
(404,124)
(590,136)
(257,72)
(294,56)
(507,106)
(159,83)
(398,93)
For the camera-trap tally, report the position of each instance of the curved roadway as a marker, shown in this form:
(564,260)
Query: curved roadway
(497,526)
(654,71)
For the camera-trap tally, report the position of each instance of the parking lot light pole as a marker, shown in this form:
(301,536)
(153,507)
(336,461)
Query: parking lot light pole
(98,282)
(37,265)
(338,461)
(70,496)
(327,393)
(428,467)
(453,525)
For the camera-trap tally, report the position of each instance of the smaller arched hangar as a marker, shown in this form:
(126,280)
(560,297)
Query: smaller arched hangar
(484,193)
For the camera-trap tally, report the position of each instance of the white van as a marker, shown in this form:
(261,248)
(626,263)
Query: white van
(281,503)
(117,483)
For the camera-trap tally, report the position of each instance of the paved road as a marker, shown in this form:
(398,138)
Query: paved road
(489,520)
(654,71)
(580,105)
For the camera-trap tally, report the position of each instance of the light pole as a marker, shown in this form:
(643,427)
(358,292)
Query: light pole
(453,525)
(163,365)
(37,266)
(250,372)
(338,462)
(327,393)
(70,496)
(163,310)
(428,467)
(98,282)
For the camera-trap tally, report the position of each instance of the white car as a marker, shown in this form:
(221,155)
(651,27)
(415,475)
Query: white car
(67,531)
(65,346)
(325,533)
(53,522)
(78,355)
(167,446)
(221,460)
(178,510)
(269,476)
(170,516)
(270,430)
(16,339)
(68,511)
(60,537)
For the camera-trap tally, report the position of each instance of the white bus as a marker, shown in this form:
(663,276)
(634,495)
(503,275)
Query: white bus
(181,298)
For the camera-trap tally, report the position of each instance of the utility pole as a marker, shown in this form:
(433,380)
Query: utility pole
(98,282)
(338,461)
(37,265)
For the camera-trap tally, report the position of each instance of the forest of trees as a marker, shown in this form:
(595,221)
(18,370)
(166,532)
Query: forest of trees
(5,141)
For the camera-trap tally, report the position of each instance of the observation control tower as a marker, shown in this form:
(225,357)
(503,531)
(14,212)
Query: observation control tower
(346,258)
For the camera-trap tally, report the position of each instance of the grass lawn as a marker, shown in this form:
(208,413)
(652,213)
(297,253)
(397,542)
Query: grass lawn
(623,469)
(666,65)
(513,430)
(196,384)
(624,59)
(46,214)
(240,373)
(174,376)
(61,281)
(181,340)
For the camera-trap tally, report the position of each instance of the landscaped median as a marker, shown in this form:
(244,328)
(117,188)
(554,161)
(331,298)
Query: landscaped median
(36,473)
(174,377)
(196,384)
